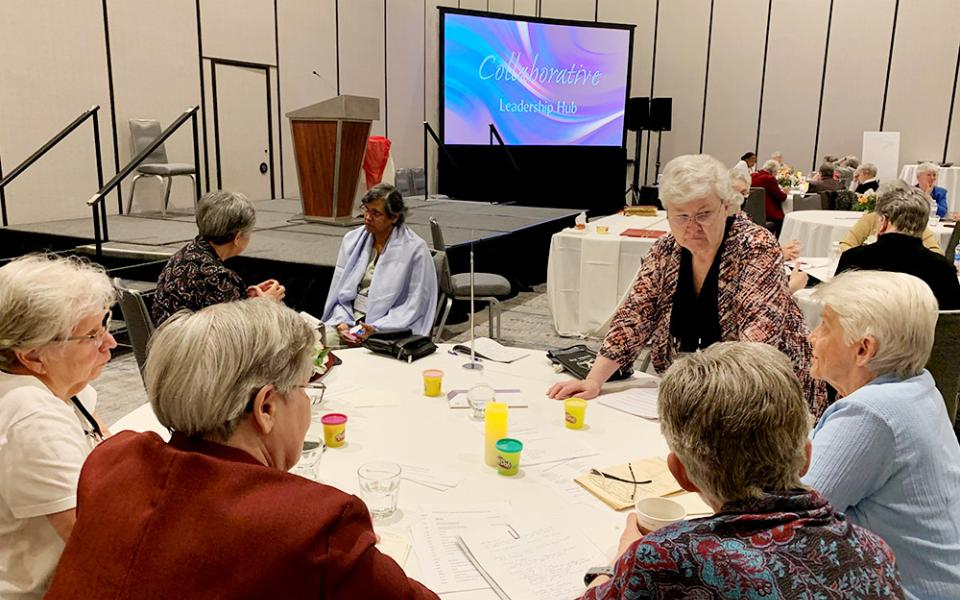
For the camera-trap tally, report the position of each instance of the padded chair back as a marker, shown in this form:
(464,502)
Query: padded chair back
(807,202)
(404,182)
(145,131)
(755,206)
(952,244)
(419,181)
(943,363)
(444,278)
(437,234)
(139,324)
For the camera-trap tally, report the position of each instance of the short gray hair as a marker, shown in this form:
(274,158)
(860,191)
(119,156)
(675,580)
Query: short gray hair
(736,175)
(771,166)
(203,368)
(898,310)
(826,170)
(853,162)
(869,169)
(735,416)
(927,167)
(221,216)
(43,297)
(693,176)
(907,209)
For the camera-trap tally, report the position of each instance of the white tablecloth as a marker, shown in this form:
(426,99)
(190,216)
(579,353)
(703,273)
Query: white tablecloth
(423,430)
(588,273)
(818,229)
(947,178)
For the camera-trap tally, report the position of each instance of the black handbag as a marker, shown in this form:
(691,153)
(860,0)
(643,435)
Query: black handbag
(401,344)
(578,360)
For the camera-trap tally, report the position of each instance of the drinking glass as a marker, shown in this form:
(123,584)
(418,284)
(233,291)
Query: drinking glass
(478,397)
(309,464)
(379,487)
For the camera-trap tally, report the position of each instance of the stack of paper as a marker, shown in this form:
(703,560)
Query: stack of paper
(394,545)
(540,447)
(530,560)
(641,402)
(490,350)
(431,477)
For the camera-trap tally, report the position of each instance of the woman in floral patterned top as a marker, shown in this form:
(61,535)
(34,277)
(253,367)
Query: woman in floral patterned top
(715,277)
(736,424)
(195,277)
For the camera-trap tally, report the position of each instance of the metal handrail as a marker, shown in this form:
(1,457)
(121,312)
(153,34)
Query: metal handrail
(92,111)
(105,189)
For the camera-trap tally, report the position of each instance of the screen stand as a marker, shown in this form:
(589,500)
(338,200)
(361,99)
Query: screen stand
(634,189)
(427,130)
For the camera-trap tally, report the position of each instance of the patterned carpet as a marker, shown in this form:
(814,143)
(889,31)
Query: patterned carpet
(525,321)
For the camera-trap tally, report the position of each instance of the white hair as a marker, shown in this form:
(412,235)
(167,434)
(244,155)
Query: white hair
(691,177)
(44,297)
(897,310)
(771,166)
(737,175)
(869,169)
(221,216)
(203,368)
(927,167)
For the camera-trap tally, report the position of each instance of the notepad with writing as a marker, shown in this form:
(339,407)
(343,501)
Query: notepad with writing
(531,561)
(643,233)
(615,490)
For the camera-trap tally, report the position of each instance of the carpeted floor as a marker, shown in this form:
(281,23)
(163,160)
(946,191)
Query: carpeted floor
(525,321)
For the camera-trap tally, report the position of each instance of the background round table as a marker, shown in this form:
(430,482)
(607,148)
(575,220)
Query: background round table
(818,229)
(947,178)
(425,431)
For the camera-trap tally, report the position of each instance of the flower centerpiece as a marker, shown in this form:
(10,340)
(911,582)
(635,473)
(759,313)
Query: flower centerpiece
(789,179)
(866,202)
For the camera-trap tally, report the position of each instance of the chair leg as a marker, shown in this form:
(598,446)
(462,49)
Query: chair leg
(133,190)
(193,192)
(494,309)
(167,184)
(443,319)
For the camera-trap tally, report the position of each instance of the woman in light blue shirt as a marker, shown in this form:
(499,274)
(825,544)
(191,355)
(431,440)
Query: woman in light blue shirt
(885,453)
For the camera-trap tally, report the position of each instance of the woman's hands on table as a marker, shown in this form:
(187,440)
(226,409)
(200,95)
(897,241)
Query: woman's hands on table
(585,389)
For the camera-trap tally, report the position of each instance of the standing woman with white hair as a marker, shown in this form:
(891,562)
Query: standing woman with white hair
(54,340)
(716,277)
(885,453)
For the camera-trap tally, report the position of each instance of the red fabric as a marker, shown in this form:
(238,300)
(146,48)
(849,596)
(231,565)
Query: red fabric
(375,160)
(194,519)
(775,195)
(642,233)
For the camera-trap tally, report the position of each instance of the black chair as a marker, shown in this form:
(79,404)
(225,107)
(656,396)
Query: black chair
(807,202)
(952,244)
(137,319)
(755,206)
(943,363)
(488,287)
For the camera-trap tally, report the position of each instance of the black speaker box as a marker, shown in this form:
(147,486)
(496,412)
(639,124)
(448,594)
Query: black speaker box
(661,111)
(638,114)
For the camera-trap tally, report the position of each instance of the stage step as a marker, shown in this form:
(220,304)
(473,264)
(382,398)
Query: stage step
(128,251)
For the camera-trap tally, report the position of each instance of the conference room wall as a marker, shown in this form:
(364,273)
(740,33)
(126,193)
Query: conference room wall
(405,77)
(51,70)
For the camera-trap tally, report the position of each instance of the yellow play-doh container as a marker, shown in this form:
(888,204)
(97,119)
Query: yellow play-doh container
(574,410)
(334,429)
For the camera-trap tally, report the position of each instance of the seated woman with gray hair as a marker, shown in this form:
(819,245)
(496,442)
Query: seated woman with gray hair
(902,219)
(736,425)
(196,276)
(213,513)
(866,178)
(54,340)
(385,276)
(885,452)
(866,229)
(927,182)
(715,277)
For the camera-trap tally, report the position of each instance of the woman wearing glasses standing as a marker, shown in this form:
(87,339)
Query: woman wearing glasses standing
(54,340)
(716,277)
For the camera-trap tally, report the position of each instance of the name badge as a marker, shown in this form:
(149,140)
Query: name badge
(360,304)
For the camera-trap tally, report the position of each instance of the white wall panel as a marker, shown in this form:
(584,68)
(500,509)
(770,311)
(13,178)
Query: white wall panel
(856,69)
(431,84)
(473,4)
(733,89)
(525,7)
(405,72)
(580,10)
(148,88)
(362,69)
(308,42)
(238,31)
(953,149)
(921,77)
(680,72)
(791,95)
(502,6)
(52,68)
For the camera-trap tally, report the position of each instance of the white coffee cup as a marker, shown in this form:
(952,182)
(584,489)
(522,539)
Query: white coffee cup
(654,513)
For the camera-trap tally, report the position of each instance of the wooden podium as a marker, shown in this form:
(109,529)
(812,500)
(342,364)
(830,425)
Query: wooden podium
(329,141)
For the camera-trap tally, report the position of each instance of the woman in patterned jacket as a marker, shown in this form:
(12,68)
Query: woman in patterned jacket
(716,277)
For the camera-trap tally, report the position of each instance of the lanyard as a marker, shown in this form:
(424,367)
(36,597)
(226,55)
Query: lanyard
(94,431)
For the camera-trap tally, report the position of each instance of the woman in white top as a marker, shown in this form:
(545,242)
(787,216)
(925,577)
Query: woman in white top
(54,340)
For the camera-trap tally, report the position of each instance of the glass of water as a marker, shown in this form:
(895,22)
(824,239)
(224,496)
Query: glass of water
(478,397)
(379,487)
(309,464)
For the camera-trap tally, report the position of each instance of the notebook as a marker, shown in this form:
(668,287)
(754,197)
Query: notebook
(643,233)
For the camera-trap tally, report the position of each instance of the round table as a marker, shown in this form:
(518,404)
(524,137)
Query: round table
(390,419)
(818,229)
(947,178)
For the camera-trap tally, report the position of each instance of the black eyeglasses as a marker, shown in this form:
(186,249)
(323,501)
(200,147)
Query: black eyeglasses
(315,399)
(604,477)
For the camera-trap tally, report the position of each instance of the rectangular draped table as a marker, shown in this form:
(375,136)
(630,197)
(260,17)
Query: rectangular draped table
(588,273)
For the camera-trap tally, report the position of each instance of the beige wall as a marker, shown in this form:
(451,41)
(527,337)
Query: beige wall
(53,65)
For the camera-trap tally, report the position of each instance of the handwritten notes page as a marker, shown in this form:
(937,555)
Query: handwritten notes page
(641,402)
(619,494)
(532,561)
(444,566)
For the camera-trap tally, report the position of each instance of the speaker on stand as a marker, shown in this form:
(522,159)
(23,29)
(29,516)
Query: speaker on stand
(661,111)
(637,119)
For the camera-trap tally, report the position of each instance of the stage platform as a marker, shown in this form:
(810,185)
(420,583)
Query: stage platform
(510,240)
